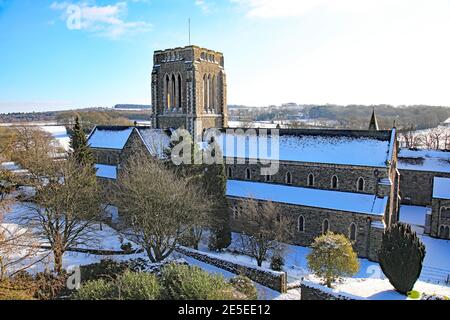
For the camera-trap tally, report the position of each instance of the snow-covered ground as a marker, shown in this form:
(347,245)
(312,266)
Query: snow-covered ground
(375,289)
(60,134)
(103,238)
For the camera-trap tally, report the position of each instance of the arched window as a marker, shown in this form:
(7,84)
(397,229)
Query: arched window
(205,92)
(235,213)
(360,184)
(352,232)
(179,93)
(301,224)
(447,232)
(310,180)
(167,91)
(230,173)
(248,174)
(325,226)
(444,213)
(214,94)
(334,182)
(173,92)
(441,232)
(288,178)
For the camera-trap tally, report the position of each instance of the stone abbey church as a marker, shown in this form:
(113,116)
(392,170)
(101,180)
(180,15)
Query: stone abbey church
(345,181)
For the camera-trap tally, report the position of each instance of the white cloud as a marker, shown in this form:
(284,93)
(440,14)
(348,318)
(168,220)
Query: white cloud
(202,4)
(296,8)
(108,20)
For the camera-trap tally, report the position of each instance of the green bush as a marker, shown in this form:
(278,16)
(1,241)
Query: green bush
(138,286)
(96,290)
(181,282)
(128,286)
(105,269)
(332,257)
(245,286)
(277,262)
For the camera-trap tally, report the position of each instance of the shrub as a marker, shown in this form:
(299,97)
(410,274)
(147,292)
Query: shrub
(401,257)
(332,257)
(128,286)
(245,286)
(126,247)
(277,262)
(96,290)
(138,286)
(105,269)
(181,282)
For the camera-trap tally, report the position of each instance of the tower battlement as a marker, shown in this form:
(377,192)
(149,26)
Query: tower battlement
(188,54)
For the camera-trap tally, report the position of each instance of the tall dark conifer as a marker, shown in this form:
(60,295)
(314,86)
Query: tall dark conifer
(79,145)
(401,257)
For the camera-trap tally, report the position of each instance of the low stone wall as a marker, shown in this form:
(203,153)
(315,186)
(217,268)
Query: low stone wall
(271,279)
(310,291)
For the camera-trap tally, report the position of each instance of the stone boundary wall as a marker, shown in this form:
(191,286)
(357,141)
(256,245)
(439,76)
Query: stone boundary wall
(310,291)
(271,279)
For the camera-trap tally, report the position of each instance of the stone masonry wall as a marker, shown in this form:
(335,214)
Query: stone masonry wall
(271,279)
(440,218)
(347,175)
(367,241)
(416,187)
(309,292)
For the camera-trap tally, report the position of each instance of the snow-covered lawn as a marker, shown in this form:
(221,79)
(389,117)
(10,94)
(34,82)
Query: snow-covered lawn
(375,289)
(103,238)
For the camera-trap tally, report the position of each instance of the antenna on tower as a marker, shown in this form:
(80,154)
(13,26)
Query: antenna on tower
(189,27)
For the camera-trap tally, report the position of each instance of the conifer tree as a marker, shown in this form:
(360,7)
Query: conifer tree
(401,257)
(79,145)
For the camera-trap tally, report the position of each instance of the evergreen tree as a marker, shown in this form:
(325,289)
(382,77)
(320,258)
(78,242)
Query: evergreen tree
(215,181)
(401,257)
(79,145)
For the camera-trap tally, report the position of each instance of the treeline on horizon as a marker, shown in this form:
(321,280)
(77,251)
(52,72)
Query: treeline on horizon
(352,116)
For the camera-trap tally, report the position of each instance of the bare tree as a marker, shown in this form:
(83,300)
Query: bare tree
(66,206)
(159,205)
(263,228)
(409,137)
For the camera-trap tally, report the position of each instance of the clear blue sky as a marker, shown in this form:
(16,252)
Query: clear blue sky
(276,51)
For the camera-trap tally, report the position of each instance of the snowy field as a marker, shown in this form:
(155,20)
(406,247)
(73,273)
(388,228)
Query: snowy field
(104,238)
(368,283)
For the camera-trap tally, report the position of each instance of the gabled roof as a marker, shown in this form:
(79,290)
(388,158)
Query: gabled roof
(116,137)
(326,199)
(343,147)
(424,160)
(110,137)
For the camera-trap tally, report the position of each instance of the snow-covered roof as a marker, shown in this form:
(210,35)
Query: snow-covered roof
(319,148)
(335,200)
(378,225)
(414,215)
(424,160)
(109,138)
(156,140)
(105,171)
(441,188)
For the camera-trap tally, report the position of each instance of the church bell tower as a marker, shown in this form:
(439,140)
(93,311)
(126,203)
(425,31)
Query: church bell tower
(189,89)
